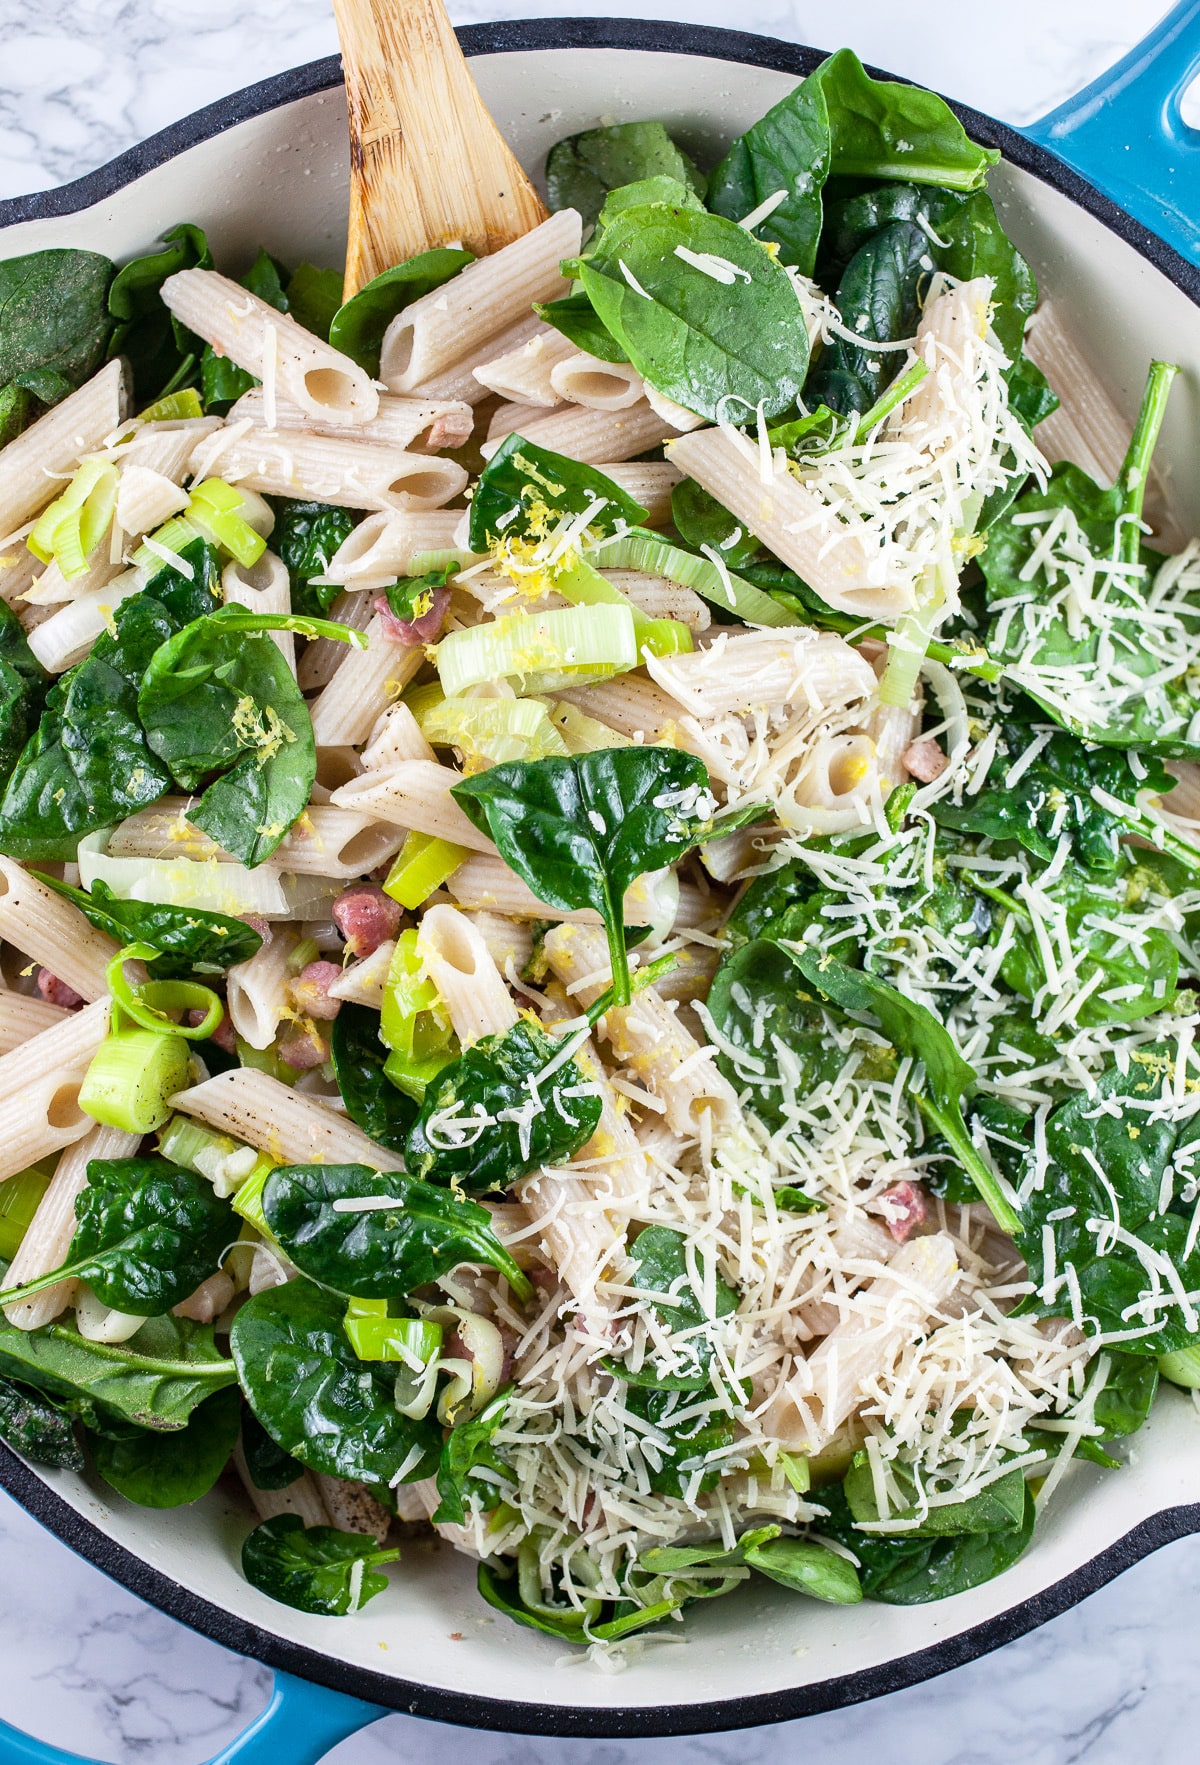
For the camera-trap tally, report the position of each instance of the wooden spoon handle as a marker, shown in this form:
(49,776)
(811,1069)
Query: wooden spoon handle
(427,163)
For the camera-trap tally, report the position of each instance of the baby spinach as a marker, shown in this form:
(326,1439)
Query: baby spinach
(305,536)
(219,698)
(87,765)
(314,1568)
(489,1118)
(413,597)
(313,297)
(692,1430)
(582,169)
(878,298)
(357,327)
(575,316)
(155,1380)
(524,490)
(660,1262)
(841,122)
(915,1031)
(701,520)
(998,1507)
(313,1395)
(222,382)
(579,831)
(147,1233)
(162,352)
(23,684)
(467,1447)
(54,326)
(806,1567)
(269,1466)
(169,1470)
(188,939)
(371,1100)
(1102,1201)
(721,321)
(38,1429)
(909,1570)
(380,1252)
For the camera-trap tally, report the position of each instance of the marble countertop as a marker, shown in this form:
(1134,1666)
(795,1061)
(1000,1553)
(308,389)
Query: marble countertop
(88,1667)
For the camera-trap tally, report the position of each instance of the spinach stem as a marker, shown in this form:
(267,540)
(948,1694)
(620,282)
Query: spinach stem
(1135,469)
(964,1149)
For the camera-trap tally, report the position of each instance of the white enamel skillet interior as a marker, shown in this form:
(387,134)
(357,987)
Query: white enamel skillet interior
(269,166)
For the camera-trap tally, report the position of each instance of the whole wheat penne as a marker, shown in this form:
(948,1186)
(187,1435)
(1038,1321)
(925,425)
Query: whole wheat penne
(523,374)
(808,669)
(49,1233)
(325,841)
(395,738)
(257,990)
(64,1047)
(362,983)
(457,960)
(52,588)
(510,942)
(286,1124)
(352,1507)
(271,346)
(601,386)
(594,436)
(649,482)
(266,588)
(34,466)
(346,473)
(320,660)
(41,1116)
(19,572)
(387,545)
(438,330)
(399,422)
(484,883)
(146,498)
(345,712)
(834,786)
(415,795)
(302,1497)
(22,1017)
(459,382)
(52,932)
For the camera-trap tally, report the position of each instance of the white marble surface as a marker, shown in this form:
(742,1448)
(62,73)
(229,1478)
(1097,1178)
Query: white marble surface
(88,1667)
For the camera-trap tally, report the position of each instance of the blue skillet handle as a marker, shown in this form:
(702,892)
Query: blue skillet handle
(299,1726)
(1126,135)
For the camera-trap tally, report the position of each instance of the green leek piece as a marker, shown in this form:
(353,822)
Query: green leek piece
(247,1203)
(175,407)
(569,646)
(132,1077)
(491,731)
(422,865)
(1182,1367)
(148,1004)
(75,523)
(376,1337)
(713,583)
(20,1197)
(214,509)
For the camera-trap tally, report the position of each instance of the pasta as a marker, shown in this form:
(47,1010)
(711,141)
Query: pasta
(347,474)
(53,446)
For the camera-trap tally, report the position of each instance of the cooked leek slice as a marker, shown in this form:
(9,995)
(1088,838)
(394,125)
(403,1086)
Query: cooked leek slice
(422,865)
(490,731)
(646,551)
(540,651)
(74,524)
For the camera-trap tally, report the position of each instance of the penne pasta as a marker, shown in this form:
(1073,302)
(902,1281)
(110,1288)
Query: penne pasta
(399,422)
(49,1233)
(33,465)
(257,990)
(592,436)
(22,1017)
(598,385)
(266,588)
(387,545)
(343,472)
(52,932)
(414,795)
(366,681)
(524,374)
(286,1124)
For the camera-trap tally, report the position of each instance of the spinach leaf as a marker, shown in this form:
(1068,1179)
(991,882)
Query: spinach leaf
(489,1118)
(1104,1147)
(222,382)
(314,1568)
(776,1028)
(579,831)
(357,328)
(87,765)
(54,326)
(371,1100)
(269,1466)
(190,941)
(1054,795)
(878,298)
(575,317)
(413,598)
(170,1470)
(383,1252)
(691,1429)
(467,1446)
(23,684)
(313,1395)
(524,489)
(915,1031)
(701,520)
(807,1567)
(305,536)
(160,350)
(726,326)
(155,1380)
(1139,974)
(581,170)
(39,1430)
(840,121)
(660,1260)
(313,297)
(147,1233)
(218,698)
(998,1507)
(1125,1399)
(911,1571)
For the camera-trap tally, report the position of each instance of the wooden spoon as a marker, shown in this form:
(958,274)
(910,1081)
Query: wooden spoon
(428,166)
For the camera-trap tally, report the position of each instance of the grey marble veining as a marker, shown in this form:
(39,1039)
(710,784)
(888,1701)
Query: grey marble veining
(88,1667)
